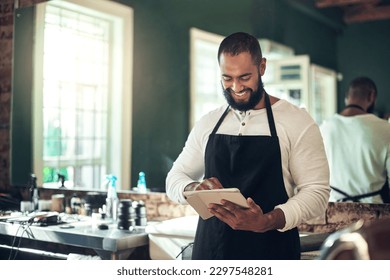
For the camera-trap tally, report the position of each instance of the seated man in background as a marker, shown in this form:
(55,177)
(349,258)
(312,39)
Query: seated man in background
(357,144)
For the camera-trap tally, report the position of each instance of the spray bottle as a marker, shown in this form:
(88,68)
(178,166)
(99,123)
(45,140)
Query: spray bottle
(141,184)
(112,198)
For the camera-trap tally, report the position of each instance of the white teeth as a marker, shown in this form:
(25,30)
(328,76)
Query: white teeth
(240,93)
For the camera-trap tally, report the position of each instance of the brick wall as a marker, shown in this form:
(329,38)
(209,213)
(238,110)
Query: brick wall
(6,37)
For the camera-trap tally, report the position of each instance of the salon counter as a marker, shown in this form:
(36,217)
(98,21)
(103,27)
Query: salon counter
(111,243)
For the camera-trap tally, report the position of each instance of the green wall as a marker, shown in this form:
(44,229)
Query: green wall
(21,106)
(364,50)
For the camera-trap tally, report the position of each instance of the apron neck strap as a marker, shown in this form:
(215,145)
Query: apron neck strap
(270,115)
(220,120)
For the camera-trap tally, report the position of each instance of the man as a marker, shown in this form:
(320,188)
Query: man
(357,144)
(268,148)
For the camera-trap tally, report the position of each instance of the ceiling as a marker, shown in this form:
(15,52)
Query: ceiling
(355,11)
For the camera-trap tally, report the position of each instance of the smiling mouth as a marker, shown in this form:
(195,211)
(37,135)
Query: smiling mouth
(240,93)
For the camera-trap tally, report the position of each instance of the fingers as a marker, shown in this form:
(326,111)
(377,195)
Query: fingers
(202,186)
(253,206)
(232,207)
(215,183)
(239,218)
(251,202)
(224,214)
(234,216)
(209,184)
(226,210)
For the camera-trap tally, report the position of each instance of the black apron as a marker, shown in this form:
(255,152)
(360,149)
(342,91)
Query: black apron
(252,164)
(384,192)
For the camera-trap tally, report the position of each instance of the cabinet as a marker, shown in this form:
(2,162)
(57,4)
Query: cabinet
(304,84)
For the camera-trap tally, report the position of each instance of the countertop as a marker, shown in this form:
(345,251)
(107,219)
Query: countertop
(111,243)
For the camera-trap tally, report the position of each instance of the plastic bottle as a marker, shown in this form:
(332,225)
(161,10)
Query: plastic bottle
(75,204)
(141,185)
(112,198)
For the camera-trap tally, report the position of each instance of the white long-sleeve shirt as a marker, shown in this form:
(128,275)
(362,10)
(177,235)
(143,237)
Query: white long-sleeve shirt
(358,150)
(305,166)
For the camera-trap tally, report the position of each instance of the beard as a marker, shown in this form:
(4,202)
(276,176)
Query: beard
(254,97)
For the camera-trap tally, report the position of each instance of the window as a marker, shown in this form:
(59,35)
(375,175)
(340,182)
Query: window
(82,93)
(206,90)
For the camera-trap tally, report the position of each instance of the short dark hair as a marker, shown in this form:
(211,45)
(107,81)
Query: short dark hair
(240,42)
(361,87)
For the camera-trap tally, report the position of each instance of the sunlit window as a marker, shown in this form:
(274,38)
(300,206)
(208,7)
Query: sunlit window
(206,89)
(84,132)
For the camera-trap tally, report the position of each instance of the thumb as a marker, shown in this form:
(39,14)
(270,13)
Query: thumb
(251,202)
(252,205)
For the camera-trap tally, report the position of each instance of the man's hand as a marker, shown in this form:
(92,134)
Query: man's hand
(250,219)
(206,184)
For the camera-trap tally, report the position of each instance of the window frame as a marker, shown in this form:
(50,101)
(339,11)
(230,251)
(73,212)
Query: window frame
(118,142)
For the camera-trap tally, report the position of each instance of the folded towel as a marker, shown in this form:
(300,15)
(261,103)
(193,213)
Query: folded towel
(82,257)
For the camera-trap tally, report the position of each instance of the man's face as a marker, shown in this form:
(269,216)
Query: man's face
(241,80)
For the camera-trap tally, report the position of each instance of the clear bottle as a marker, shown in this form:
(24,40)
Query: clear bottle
(112,198)
(141,184)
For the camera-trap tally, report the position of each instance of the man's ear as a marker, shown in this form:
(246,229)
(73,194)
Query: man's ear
(262,66)
(371,97)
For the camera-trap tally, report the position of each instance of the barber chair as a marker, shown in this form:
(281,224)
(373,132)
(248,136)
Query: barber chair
(363,240)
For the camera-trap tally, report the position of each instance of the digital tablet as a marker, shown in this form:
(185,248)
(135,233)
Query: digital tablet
(200,200)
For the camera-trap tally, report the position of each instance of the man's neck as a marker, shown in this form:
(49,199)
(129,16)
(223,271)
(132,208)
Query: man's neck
(353,110)
(261,104)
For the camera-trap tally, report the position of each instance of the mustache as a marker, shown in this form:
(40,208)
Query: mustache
(241,92)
